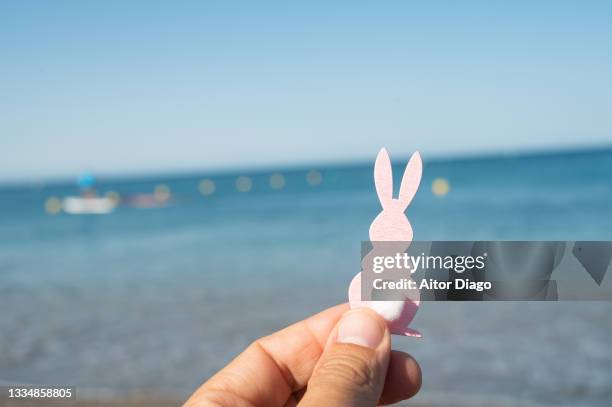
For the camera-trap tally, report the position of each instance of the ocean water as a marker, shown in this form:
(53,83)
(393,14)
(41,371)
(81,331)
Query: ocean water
(157,300)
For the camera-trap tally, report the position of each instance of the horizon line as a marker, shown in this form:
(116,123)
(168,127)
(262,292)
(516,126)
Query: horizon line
(176,173)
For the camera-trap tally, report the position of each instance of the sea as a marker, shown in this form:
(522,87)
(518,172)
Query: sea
(155,300)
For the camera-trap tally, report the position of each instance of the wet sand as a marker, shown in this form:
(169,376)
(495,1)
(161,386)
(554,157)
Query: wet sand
(136,402)
(131,402)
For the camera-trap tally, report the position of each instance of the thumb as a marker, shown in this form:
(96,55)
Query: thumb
(352,369)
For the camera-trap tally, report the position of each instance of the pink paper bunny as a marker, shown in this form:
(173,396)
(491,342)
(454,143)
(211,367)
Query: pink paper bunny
(391,233)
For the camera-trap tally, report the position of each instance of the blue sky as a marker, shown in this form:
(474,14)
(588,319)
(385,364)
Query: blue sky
(120,87)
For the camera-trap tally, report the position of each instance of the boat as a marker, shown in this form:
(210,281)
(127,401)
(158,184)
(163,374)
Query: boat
(76,205)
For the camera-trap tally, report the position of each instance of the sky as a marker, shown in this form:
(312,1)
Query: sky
(121,87)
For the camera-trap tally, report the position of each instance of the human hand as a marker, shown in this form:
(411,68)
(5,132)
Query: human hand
(335,358)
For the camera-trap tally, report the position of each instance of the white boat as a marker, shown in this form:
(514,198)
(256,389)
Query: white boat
(75,205)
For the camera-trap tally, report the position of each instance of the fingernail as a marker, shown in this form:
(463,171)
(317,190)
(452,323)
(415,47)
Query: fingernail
(360,328)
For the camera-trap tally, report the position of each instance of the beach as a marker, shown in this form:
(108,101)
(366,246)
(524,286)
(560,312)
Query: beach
(136,402)
(153,301)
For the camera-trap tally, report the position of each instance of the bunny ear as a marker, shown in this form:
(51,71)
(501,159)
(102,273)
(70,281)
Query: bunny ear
(383,177)
(411,179)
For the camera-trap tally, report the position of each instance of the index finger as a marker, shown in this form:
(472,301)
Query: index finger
(273,367)
(297,348)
